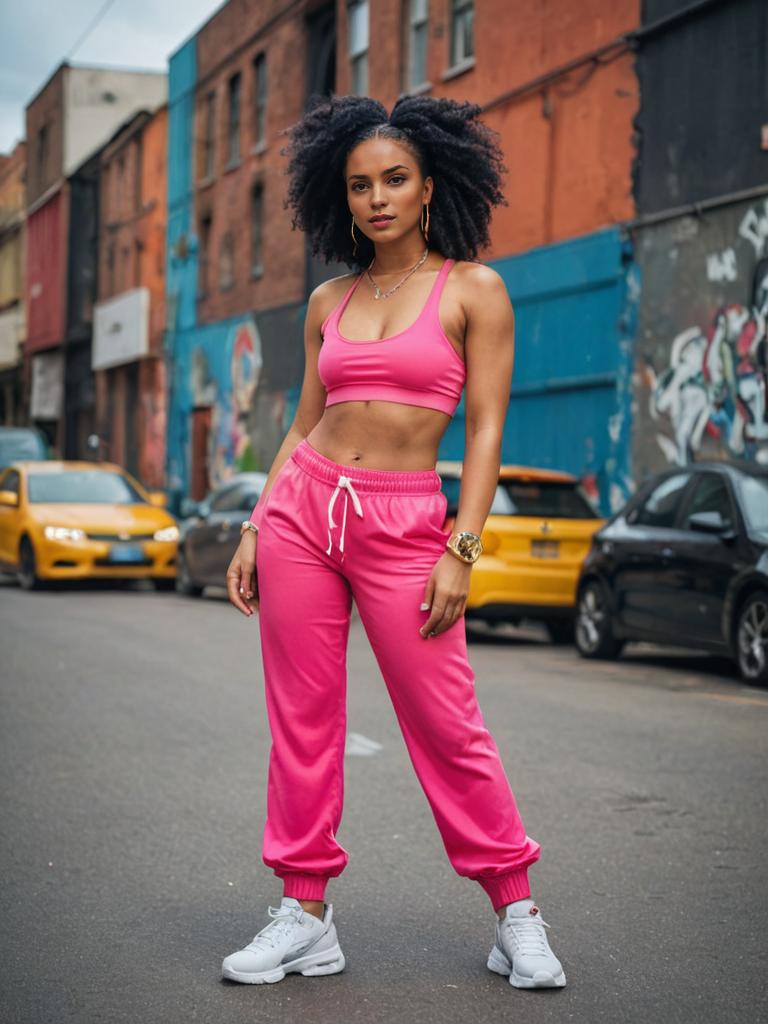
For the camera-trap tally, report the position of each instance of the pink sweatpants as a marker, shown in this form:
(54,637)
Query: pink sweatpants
(328,533)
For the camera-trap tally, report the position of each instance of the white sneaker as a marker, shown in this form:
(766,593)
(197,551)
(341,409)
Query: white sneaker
(294,941)
(522,951)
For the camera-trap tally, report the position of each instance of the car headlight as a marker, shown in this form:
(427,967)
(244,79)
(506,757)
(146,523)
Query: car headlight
(167,533)
(63,533)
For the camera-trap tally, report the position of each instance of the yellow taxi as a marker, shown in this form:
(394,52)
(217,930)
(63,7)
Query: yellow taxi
(68,520)
(536,536)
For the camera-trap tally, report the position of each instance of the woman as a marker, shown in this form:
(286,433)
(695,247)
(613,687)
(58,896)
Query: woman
(352,508)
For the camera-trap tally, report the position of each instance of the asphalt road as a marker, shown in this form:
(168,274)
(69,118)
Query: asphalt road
(133,755)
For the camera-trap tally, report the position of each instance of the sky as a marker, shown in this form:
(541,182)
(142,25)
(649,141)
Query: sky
(36,36)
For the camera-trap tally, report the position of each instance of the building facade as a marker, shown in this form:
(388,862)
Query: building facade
(129,317)
(700,378)
(67,122)
(563,103)
(13,168)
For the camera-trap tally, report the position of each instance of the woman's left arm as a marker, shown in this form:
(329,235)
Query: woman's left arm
(489,352)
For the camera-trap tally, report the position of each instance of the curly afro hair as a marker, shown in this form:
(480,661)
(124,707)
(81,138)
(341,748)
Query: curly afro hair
(439,132)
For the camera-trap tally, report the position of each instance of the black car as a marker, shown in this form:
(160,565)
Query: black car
(210,532)
(684,562)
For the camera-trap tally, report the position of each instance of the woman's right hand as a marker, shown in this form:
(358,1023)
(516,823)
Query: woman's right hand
(242,584)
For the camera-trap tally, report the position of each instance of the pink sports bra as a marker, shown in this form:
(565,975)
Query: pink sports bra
(417,366)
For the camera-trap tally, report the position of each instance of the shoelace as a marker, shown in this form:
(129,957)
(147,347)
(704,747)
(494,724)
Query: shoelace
(528,933)
(271,933)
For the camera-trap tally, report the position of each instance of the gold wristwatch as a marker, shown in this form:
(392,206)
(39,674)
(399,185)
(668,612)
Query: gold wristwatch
(465,545)
(248,525)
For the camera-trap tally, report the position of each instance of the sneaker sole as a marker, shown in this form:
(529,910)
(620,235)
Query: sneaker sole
(499,963)
(315,965)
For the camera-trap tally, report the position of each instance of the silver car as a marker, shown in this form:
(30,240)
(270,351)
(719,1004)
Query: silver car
(210,532)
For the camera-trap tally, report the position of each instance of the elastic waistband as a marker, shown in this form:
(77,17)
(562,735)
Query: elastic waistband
(392,481)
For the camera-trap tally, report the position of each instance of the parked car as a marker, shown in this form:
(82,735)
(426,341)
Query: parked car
(685,562)
(210,532)
(67,520)
(536,535)
(22,443)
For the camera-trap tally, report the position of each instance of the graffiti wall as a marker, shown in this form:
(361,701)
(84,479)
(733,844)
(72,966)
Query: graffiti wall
(700,385)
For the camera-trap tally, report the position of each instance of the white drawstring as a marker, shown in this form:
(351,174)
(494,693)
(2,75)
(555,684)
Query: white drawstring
(344,483)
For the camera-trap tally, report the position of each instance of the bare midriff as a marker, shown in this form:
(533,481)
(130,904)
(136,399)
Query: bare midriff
(380,435)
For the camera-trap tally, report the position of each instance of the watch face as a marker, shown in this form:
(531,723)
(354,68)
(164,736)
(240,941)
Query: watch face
(469,546)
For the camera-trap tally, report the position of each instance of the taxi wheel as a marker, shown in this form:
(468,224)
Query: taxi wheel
(593,632)
(27,573)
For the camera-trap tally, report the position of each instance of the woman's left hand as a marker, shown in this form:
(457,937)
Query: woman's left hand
(445,594)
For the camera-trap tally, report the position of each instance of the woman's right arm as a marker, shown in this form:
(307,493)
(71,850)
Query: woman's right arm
(241,574)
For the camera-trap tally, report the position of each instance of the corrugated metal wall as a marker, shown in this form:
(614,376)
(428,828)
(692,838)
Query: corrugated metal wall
(575,313)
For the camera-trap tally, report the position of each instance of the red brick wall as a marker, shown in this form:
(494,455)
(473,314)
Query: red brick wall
(569,164)
(46,108)
(227,44)
(46,249)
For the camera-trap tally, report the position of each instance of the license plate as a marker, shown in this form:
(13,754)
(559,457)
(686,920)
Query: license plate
(126,553)
(545,548)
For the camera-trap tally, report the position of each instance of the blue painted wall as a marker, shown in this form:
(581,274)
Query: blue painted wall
(575,308)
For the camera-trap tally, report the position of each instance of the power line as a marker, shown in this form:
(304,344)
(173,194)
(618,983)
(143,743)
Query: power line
(97,18)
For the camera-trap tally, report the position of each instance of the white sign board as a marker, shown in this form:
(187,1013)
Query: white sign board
(121,329)
(47,385)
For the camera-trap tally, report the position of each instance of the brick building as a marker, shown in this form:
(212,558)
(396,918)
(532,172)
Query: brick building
(67,121)
(557,84)
(129,317)
(13,168)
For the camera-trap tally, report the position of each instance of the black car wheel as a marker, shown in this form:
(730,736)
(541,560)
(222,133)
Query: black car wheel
(560,630)
(752,638)
(593,632)
(184,582)
(27,573)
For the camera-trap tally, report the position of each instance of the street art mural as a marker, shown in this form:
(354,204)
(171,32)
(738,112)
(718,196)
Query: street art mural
(706,388)
(229,395)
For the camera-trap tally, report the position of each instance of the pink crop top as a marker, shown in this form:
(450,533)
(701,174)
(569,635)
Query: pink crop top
(417,366)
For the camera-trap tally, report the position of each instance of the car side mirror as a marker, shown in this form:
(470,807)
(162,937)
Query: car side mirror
(9,498)
(711,522)
(158,498)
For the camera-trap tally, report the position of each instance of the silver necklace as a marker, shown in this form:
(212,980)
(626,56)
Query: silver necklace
(379,294)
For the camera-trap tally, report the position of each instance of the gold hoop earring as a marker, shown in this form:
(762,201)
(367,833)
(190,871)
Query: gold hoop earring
(425,228)
(354,250)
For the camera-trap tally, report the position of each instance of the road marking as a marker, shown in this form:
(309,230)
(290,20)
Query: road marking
(358,745)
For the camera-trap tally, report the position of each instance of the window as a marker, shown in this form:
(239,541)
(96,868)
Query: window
(462,31)
(239,497)
(257,228)
(10,482)
(754,497)
(416,43)
(233,126)
(227,262)
(357,19)
(661,505)
(42,154)
(111,268)
(710,494)
(209,147)
(260,98)
(204,258)
(91,486)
